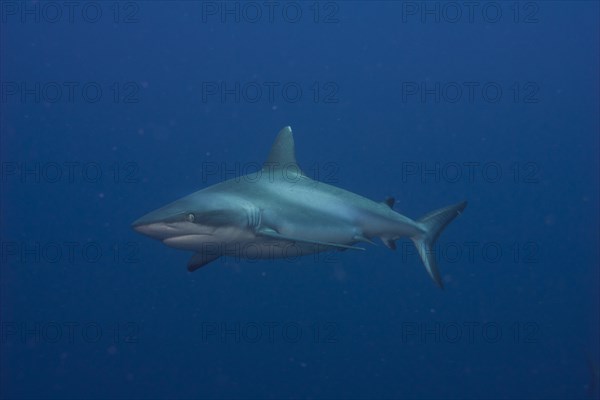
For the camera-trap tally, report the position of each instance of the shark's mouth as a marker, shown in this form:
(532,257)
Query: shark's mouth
(190,241)
(165,231)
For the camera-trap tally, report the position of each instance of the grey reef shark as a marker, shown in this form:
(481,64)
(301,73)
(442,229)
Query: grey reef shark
(279,211)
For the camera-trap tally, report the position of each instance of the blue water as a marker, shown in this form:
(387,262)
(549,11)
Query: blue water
(110,110)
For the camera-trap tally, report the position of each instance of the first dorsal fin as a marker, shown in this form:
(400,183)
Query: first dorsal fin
(283,153)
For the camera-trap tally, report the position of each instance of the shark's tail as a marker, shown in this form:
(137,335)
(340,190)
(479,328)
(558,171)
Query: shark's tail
(433,224)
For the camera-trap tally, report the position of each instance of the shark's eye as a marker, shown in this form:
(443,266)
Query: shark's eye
(190,217)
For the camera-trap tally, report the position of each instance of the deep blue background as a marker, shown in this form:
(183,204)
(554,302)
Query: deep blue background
(544,298)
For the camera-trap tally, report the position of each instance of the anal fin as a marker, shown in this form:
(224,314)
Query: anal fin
(390,243)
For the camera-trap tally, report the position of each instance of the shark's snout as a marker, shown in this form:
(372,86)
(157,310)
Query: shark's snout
(158,224)
(162,223)
(156,230)
(171,225)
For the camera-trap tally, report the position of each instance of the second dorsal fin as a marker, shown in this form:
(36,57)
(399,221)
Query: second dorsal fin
(389,201)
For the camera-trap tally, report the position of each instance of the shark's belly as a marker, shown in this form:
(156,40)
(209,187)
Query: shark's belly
(264,248)
(311,225)
(244,243)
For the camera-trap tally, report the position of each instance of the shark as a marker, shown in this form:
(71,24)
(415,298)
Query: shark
(280,212)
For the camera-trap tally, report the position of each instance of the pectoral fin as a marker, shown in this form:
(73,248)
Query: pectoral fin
(199,260)
(268,232)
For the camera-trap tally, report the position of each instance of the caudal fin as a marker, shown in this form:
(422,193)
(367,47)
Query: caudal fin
(433,224)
